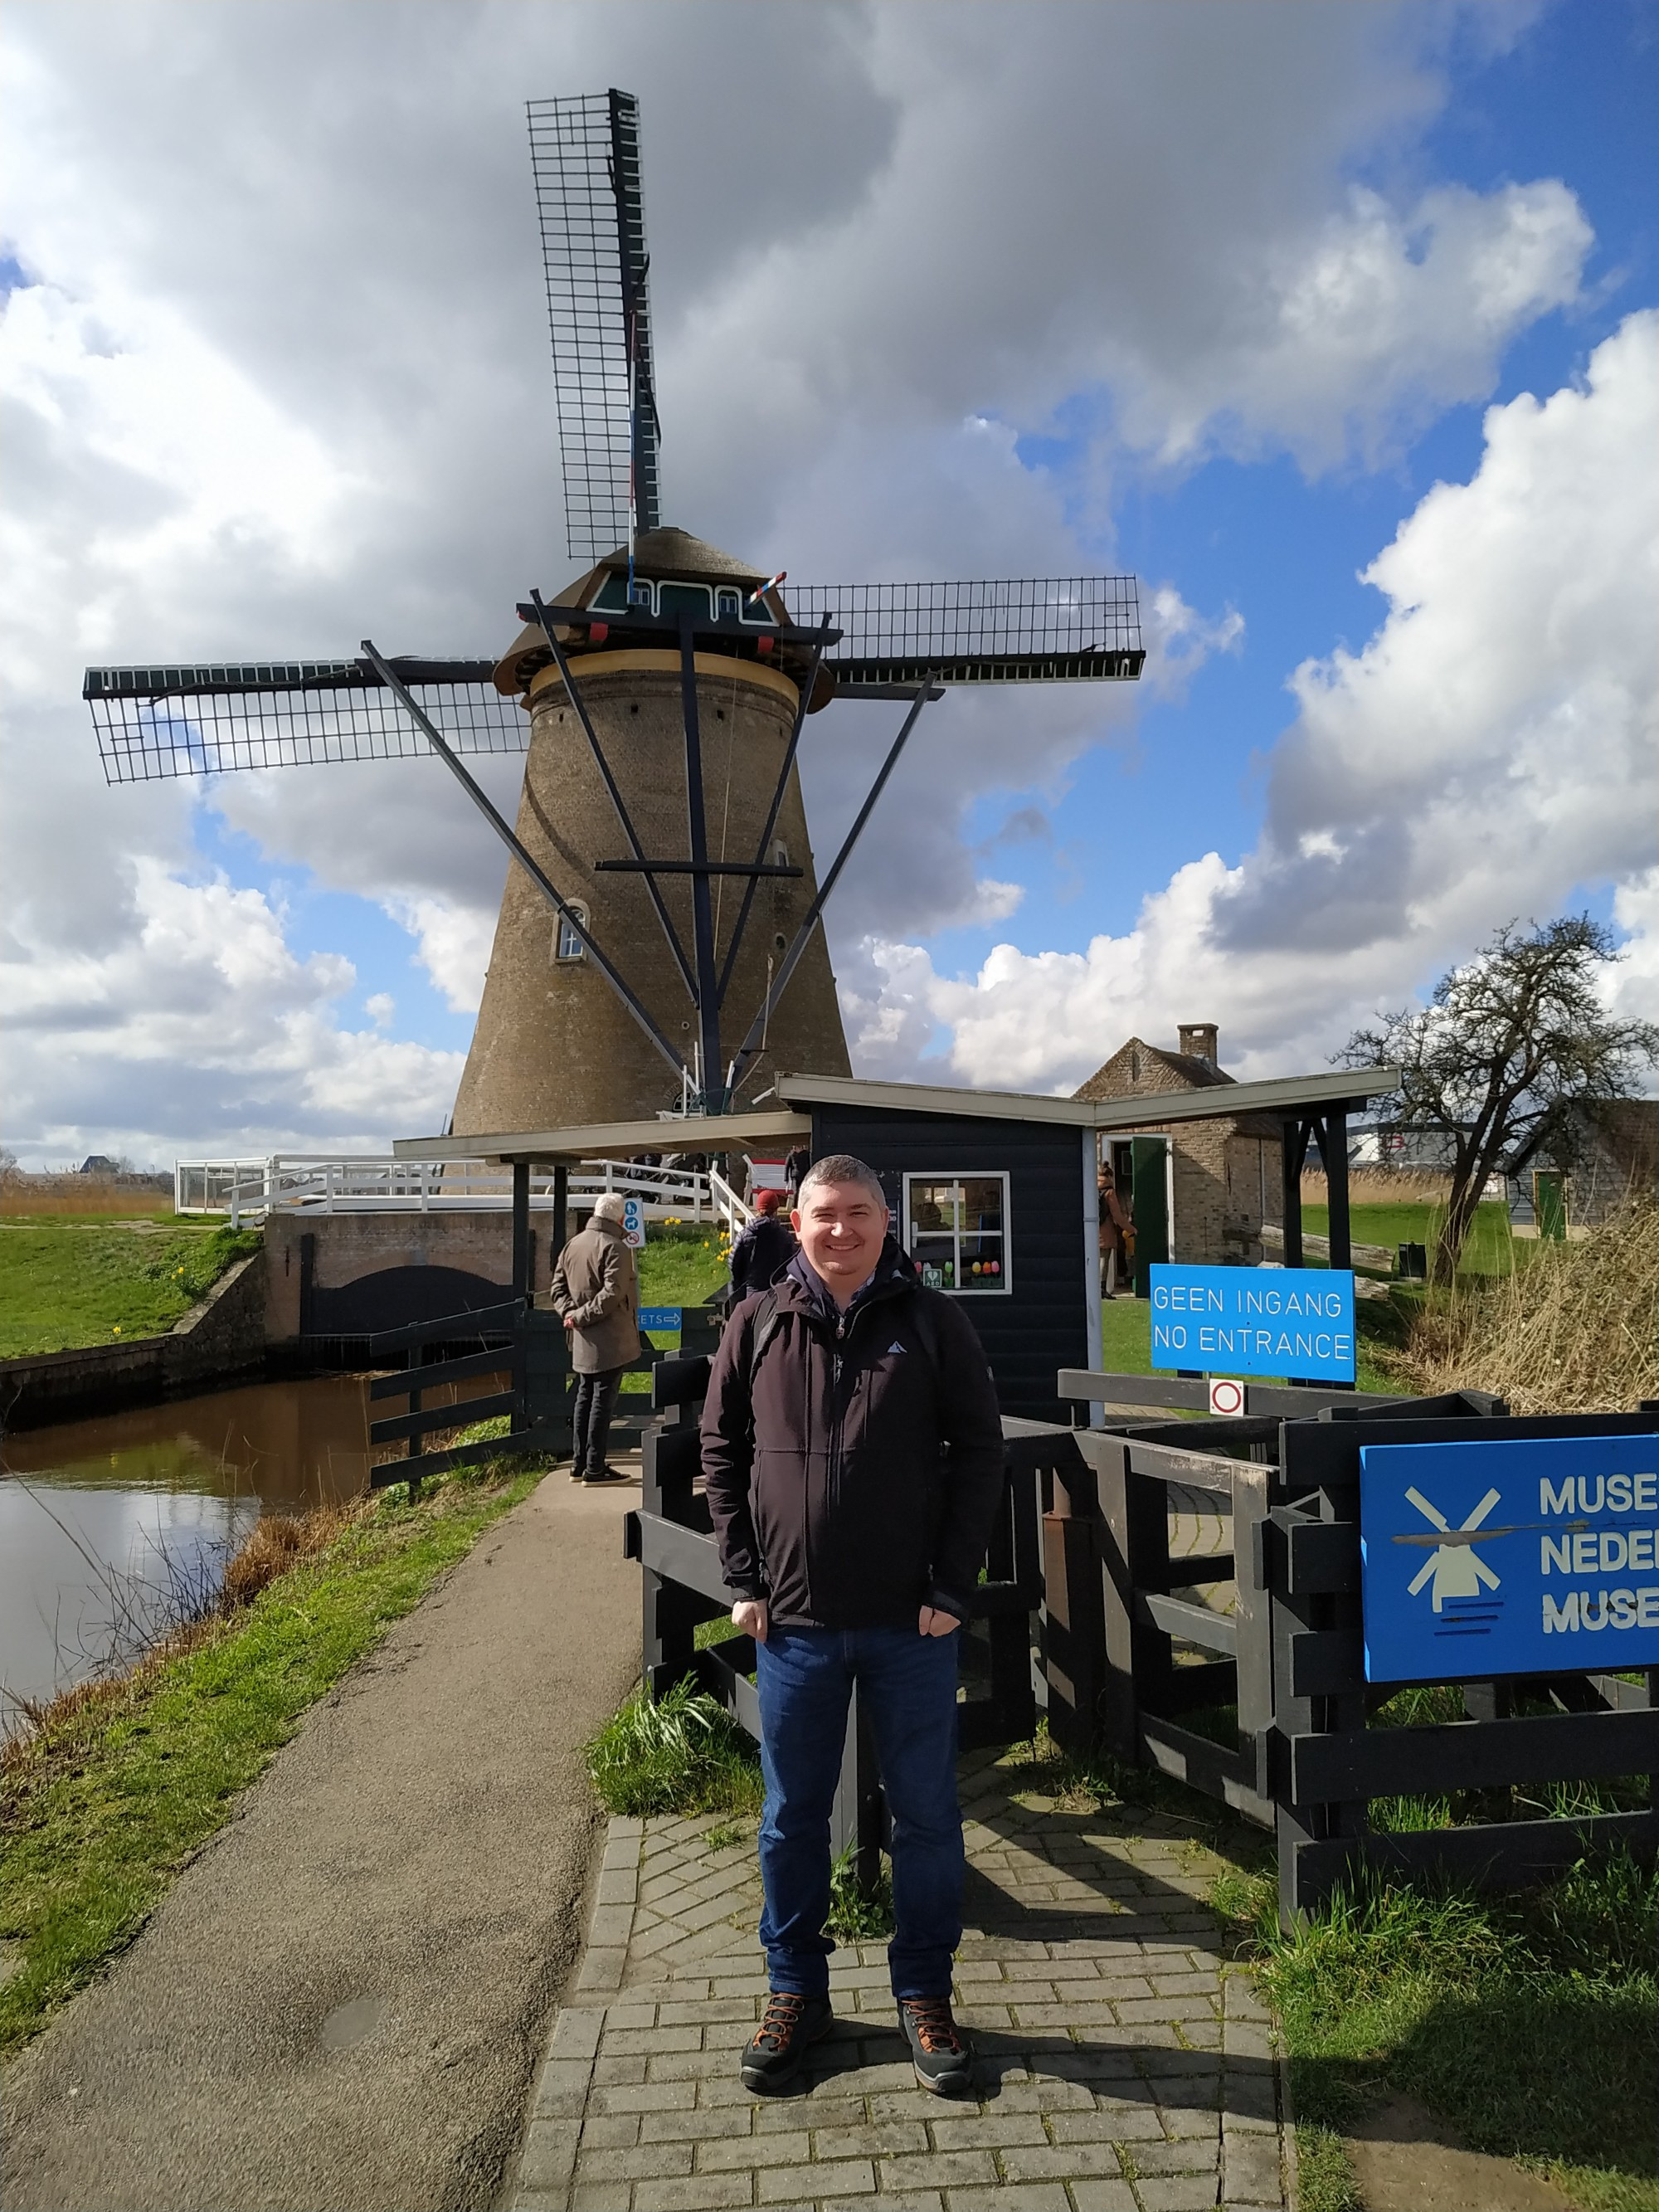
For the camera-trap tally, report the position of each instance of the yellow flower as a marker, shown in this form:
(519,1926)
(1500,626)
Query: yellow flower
(117,1327)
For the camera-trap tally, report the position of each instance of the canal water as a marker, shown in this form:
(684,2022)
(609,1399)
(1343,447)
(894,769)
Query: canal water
(104,1522)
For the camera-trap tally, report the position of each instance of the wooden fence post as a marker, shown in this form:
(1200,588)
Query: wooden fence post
(1074,1607)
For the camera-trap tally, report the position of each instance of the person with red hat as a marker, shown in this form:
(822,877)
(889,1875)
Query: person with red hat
(764,1248)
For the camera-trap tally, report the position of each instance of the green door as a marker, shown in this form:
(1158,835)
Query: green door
(1149,1200)
(1549,1204)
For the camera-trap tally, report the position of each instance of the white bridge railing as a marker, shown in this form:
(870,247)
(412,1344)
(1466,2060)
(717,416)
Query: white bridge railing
(295,1183)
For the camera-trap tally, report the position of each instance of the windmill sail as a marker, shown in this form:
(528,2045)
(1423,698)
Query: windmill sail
(157,722)
(585,154)
(1016,629)
(153,723)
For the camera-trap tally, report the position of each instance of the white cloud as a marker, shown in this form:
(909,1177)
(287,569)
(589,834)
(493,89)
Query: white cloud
(455,946)
(1634,984)
(1494,747)
(1370,325)
(202,1023)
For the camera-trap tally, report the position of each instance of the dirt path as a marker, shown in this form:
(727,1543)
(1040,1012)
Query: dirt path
(340,2006)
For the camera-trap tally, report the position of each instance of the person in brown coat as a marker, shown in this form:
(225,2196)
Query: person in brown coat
(596,1290)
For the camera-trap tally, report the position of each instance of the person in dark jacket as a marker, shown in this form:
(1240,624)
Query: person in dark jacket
(765,1246)
(852,1455)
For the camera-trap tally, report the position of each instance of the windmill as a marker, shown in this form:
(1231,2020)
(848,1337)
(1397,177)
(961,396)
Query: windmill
(660,697)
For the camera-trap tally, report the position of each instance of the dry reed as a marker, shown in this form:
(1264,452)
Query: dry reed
(1381,1187)
(1576,1331)
(28,1198)
(58,1731)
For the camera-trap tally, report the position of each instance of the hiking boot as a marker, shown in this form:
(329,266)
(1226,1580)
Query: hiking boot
(788,2025)
(942,2060)
(604,1474)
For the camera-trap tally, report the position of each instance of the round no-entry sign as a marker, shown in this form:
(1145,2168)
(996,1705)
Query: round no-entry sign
(1226,1396)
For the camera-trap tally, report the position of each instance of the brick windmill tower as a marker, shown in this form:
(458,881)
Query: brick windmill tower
(660,947)
(612,780)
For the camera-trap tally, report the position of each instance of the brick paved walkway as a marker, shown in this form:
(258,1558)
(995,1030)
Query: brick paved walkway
(1122,2066)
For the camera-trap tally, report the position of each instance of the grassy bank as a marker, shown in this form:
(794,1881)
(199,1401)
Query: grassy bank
(1531,2023)
(683,1264)
(69,1282)
(121,1782)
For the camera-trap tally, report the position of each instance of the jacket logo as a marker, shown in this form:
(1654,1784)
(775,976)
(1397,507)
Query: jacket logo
(895,1347)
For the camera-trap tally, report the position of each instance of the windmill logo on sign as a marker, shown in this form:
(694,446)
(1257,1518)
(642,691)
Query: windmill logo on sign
(1454,1570)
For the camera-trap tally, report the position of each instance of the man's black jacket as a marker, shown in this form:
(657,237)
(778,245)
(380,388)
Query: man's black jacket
(858,1481)
(765,1245)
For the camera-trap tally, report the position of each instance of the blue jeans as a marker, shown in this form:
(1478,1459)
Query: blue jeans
(907,1685)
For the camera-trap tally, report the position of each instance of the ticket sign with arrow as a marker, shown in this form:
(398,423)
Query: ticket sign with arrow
(1533,1557)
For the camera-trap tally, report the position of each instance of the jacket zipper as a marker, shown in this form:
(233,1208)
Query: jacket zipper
(845,1324)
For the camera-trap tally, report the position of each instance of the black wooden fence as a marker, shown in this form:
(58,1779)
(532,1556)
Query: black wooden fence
(1257,1697)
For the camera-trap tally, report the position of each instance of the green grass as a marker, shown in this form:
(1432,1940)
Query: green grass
(858,1915)
(681,1266)
(1489,1250)
(1530,2022)
(69,1282)
(107,1802)
(678,1753)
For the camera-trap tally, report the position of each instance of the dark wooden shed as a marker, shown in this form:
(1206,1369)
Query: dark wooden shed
(1026,1163)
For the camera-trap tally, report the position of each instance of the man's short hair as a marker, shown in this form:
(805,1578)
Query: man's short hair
(609,1206)
(841,1167)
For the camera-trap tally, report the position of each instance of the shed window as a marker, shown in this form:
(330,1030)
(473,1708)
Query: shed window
(956,1229)
(567,940)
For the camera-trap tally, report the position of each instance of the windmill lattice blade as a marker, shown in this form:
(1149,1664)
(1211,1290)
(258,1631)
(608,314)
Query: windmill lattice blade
(1018,629)
(153,723)
(584,154)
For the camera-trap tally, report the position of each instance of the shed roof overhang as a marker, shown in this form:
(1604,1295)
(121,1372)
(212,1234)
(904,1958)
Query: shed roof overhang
(790,1122)
(697,1132)
(1283,1096)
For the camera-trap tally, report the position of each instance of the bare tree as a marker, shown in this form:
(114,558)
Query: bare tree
(1501,1063)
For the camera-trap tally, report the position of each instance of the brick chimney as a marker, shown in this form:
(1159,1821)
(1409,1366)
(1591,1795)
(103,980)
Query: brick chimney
(1198,1041)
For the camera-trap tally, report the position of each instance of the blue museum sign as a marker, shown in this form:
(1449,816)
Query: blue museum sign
(660,1317)
(1537,1556)
(1253,1321)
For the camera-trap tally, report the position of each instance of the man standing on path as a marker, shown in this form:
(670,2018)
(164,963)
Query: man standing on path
(596,1288)
(852,1454)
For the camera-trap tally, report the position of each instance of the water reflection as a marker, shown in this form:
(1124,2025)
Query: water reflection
(103,1521)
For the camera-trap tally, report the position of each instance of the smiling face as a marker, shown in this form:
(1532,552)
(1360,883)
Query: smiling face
(841,1226)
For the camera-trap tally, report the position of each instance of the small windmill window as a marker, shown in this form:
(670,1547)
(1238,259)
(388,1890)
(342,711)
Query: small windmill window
(567,937)
(728,605)
(956,1229)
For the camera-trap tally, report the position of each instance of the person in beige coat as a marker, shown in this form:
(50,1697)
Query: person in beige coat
(596,1290)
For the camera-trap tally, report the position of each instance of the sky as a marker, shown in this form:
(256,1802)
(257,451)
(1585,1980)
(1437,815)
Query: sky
(1337,327)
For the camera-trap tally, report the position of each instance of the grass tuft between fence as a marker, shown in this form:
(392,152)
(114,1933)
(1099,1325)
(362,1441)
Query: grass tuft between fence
(1530,2022)
(681,1752)
(117,1783)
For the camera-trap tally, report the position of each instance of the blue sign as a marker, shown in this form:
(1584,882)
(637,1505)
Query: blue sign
(665,1317)
(1533,1557)
(1254,1321)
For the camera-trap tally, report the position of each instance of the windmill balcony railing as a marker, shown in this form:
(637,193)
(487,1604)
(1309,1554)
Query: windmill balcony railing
(362,1183)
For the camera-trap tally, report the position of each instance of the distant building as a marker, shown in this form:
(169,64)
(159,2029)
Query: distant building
(1614,1156)
(1220,1178)
(99,1163)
